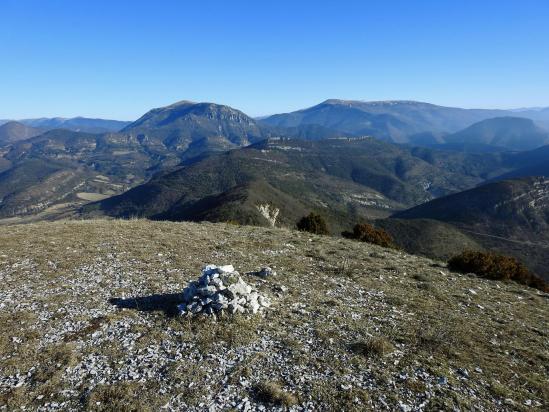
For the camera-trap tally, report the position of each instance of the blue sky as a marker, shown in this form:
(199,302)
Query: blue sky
(118,59)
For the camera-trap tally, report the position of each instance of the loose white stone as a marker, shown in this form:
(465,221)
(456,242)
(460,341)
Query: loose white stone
(225,269)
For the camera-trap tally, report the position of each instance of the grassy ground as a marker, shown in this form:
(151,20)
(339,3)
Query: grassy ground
(86,324)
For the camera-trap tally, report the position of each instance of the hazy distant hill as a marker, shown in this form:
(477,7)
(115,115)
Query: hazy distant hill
(390,120)
(540,116)
(11,132)
(513,133)
(78,124)
(425,124)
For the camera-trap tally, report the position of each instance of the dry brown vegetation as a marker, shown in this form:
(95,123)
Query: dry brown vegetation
(377,346)
(498,267)
(365,232)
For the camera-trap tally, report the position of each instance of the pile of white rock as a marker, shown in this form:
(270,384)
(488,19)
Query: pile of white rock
(220,289)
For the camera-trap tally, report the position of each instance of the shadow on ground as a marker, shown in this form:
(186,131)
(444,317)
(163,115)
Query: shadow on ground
(166,303)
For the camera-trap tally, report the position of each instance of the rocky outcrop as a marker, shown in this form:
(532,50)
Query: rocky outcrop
(269,213)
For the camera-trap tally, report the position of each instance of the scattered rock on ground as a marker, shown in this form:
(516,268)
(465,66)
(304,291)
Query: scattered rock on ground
(266,272)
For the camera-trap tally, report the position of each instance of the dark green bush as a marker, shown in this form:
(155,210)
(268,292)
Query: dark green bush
(367,233)
(313,223)
(498,267)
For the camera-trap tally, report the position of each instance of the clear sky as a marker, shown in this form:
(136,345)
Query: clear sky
(119,58)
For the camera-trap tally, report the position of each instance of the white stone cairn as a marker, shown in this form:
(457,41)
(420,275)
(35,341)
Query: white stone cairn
(218,290)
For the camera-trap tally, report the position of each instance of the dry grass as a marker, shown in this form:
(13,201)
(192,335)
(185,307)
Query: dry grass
(377,346)
(340,294)
(272,392)
(125,397)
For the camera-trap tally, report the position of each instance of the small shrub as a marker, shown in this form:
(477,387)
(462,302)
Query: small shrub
(498,267)
(313,223)
(367,233)
(377,346)
(271,392)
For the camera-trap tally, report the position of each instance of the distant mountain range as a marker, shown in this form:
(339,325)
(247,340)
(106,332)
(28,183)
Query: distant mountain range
(198,128)
(187,133)
(409,122)
(205,161)
(77,124)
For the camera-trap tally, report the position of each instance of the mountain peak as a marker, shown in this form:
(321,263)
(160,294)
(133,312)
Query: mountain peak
(179,103)
(182,125)
(13,131)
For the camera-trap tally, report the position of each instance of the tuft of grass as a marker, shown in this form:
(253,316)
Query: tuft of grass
(94,325)
(499,390)
(346,269)
(373,347)
(333,398)
(272,392)
(125,397)
(53,361)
